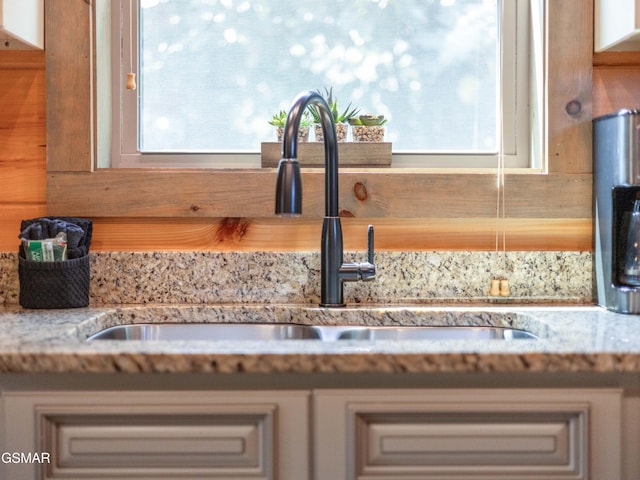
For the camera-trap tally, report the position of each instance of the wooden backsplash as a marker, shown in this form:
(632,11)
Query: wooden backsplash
(616,84)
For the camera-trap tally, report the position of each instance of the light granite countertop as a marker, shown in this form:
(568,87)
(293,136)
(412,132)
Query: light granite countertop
(571,339)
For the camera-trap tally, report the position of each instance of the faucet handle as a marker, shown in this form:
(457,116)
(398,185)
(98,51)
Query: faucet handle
(368,268)
(365,271)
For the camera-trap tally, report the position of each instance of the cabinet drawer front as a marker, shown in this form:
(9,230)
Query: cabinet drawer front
(195,435)
(208,444)
(467,434)
(498,443)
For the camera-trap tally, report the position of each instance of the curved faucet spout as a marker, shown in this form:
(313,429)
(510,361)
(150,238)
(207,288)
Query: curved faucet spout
(333,271)
(290,143)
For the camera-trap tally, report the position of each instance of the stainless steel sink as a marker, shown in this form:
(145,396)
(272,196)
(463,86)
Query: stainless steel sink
(279,331)
(435,333)
(207,331)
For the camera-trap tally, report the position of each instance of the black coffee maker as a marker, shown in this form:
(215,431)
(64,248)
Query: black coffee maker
(616,210)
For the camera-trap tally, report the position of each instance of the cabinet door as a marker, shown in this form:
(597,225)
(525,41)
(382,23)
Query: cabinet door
(525,434)
(616,25)
(133,435)
(21,24)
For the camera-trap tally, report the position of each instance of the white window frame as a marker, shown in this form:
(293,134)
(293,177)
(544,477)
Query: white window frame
(521,117)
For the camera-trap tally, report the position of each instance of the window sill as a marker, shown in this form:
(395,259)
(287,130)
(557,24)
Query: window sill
(365,193)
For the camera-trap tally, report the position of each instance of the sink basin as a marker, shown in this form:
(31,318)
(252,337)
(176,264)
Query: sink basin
(257,331)
(207,331)
(435,333)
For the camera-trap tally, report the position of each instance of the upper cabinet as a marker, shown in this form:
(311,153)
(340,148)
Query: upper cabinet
(617,25)
(21,24)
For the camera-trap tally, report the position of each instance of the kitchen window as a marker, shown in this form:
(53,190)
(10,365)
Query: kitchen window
(455,78)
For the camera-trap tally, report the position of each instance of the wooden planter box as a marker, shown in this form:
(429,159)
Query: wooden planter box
(350,154)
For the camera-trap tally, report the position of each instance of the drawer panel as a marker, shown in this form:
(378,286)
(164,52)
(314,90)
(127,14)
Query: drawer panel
(431,443)
(467,434)
(195,435)
(211,445)
(207,443)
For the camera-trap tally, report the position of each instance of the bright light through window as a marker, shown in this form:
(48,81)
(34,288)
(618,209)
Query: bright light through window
(214,72)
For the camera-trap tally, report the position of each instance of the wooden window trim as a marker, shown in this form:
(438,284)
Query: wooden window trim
(75,187)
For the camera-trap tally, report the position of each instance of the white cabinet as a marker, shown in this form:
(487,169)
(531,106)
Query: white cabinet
(528,434)
(170,435)
(21,24)
(616,25)
(336,434)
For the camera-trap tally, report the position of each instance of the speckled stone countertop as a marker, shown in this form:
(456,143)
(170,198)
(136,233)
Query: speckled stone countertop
(283,287)
(571,339)
(294,277)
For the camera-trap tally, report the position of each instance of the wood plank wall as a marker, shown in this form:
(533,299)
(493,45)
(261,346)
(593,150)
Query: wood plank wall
(616,84)
(22,142)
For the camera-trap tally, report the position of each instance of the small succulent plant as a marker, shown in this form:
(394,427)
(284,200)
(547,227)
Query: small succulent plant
(368,128)
(280,118)
(338,117)
(368,120)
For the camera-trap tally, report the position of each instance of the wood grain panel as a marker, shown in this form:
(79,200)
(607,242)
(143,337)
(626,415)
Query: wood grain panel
(242,234)
(23,180)
(22,142)
(22,127)
(69,101)
(21,59)
(350,154)
(569,79)
(11,216)
(615,87)
(372,194)
(616,77)
(615,58)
